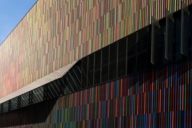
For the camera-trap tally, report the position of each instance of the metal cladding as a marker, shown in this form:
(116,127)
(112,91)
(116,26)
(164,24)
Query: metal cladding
(141,80)
(56,33)
(160,99)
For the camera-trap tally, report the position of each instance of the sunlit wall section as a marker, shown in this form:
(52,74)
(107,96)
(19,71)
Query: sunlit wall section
(58,32)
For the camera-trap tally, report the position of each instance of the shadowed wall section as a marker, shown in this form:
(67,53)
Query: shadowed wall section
(159,99)
(56,33)
(33,114)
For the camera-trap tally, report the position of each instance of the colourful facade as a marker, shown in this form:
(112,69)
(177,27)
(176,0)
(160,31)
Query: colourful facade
(160,99)
(56,33)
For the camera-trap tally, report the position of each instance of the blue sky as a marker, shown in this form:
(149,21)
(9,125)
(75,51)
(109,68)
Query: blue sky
(11,12)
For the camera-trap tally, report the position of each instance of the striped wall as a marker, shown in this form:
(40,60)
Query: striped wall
(58,32)
(157,99)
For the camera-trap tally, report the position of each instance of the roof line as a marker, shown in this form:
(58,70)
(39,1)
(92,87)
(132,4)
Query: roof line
(18,23)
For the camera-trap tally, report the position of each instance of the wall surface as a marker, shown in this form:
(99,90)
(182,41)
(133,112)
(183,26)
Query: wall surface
(58,32)
(157,99)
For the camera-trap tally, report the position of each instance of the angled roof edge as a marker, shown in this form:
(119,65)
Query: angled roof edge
(23,17)
(38,83)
